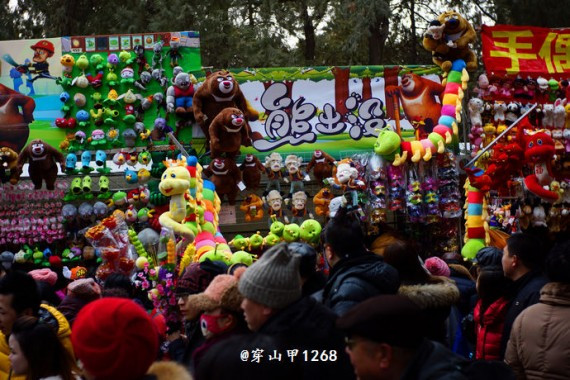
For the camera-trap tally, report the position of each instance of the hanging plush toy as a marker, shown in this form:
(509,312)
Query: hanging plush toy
(274,202)
(294,175)
(298,207)
(538,152)
(220,90)
(252,207)
(226,177)
(43,159)
(175,183)
(453,44)
(251,169)
(9,166)
(179,96)
(274,169)
(322,165)
(228,132)
(322,200)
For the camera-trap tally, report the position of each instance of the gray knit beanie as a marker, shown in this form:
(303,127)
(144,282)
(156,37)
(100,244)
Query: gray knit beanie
(274,279)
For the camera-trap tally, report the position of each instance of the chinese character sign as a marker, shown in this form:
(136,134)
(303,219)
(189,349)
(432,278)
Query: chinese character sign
(335,109)
(526,50)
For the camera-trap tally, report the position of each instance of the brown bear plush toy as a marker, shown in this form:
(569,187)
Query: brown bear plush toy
(228,131)
(43,160)
(220,90)
(226,176)
(252,169)
(453,43)
(322,165)
(9,166)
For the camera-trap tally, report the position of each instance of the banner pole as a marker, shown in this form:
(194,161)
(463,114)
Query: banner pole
(481,152)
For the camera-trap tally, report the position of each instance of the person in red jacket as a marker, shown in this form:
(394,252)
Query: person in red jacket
(489,314)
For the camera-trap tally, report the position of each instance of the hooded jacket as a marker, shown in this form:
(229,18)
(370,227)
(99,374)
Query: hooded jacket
(50,315)
(539,347)
(353,280)
(489,329)
(436,299)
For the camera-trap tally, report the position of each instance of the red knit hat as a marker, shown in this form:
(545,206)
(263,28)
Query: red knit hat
(115,339)
(437,267)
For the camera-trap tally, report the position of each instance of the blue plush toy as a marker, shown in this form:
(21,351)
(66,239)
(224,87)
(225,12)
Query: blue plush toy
(85,161)
(101,161)
(70,163)
(131,176)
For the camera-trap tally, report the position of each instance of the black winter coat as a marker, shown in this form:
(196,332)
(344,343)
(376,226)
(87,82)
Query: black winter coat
(522,293)
(356,279)
(433,361)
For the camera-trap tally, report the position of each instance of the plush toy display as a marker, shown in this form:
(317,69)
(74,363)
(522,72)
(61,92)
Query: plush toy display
(220,90)
(9,166)
(453,43)
(226,177)
(228,131)
(252,207)
(251,169)
(322,165)
(43,159)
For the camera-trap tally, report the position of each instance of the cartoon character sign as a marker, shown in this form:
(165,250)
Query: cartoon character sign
(419,98)
(40,67)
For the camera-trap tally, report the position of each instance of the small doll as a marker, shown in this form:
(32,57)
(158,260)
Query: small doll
(298,207)
(346,178)
(322,165)
(274,205)
(294,175)
(273,168)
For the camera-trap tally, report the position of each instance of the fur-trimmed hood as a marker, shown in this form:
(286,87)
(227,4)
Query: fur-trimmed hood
(167,371)
(438,294)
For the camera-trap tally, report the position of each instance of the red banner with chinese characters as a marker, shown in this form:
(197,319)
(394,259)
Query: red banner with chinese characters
(526,51)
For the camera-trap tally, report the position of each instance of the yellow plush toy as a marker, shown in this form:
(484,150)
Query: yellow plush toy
(448,39)
(175,183)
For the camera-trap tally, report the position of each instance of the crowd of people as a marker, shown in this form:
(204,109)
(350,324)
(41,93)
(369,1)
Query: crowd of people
(379,313)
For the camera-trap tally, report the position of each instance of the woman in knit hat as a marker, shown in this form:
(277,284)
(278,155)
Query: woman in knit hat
(37,353)
(221,313)
(114,338)
(196,278)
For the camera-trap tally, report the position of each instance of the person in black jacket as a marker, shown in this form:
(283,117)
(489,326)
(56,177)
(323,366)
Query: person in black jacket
(386,339)
(356,274)
(312,280)
(522,263)
(274,307)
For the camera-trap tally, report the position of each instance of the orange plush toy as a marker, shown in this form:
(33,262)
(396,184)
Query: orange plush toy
(252,207)
(322,200)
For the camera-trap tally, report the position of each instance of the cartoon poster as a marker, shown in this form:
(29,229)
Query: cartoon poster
(29,95)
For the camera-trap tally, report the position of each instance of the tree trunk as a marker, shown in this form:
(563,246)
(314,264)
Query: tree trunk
(366,88)
(341,76)
(390,79)
(377,41)
(309,31)
(413,38)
